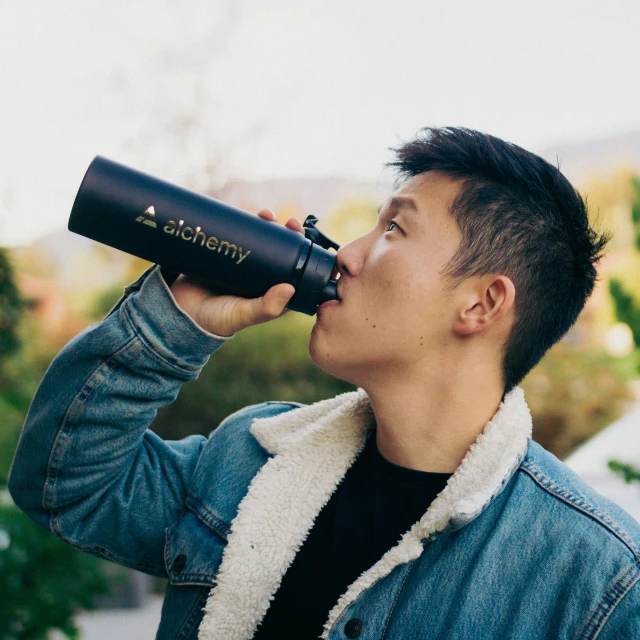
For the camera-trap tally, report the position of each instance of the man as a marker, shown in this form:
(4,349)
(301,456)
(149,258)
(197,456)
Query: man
(416,507)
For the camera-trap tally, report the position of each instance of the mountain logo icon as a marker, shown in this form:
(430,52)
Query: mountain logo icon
(148,217)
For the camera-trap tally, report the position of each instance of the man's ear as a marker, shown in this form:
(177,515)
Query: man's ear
(486,300)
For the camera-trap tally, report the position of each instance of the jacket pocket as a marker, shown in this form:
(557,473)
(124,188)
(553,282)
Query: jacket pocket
(194,546)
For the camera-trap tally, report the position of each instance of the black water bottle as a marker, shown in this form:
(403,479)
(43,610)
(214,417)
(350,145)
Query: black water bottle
(229,250)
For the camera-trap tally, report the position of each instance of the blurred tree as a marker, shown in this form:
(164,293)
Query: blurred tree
(11,307)
(626,308)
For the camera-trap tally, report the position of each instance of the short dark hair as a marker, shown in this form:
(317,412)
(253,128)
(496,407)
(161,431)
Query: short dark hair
(519,216)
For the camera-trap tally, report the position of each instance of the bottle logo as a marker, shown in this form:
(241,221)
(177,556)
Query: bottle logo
(148,217)
(194,236)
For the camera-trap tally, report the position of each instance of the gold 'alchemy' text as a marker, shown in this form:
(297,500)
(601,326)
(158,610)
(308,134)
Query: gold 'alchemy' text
(212,243)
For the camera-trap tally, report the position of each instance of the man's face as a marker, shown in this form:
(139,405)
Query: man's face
(394,315)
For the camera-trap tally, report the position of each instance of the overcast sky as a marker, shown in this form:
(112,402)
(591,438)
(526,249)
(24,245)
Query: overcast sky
(283,88)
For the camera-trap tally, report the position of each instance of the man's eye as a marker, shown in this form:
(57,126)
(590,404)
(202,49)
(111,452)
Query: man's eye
(389,225)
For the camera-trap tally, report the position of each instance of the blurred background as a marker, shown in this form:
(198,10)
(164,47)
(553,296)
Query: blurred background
(294,107)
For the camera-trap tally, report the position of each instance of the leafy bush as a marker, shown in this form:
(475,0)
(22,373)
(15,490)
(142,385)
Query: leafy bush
(626,308)
(11,307)
(43,581)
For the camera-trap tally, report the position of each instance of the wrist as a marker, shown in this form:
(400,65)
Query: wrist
(166,328)
(191,306)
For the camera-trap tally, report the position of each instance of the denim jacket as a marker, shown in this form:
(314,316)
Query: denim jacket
(515,547)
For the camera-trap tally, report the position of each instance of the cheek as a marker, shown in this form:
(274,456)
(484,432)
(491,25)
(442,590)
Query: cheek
(411,301)
(403,283)
(391,269)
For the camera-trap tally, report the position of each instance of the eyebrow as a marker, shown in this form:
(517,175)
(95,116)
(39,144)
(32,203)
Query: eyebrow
(400,202)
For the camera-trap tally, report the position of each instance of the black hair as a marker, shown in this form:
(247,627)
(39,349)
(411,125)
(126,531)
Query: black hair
(519,216)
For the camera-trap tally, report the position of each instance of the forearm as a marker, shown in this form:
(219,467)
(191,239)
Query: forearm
(87,428)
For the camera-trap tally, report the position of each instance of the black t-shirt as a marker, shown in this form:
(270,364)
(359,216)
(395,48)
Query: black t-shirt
(376,502)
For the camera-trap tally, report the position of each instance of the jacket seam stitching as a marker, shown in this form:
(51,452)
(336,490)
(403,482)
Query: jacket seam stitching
(189,622)
(185,578)
(63,437)
(107,554)
(604,610)
(395,600)
(584,507)
(218,525)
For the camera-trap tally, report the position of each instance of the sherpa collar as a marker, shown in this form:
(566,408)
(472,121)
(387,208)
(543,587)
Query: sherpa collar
(313,448)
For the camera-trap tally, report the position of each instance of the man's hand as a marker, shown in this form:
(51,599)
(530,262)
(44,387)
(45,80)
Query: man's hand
(223,315)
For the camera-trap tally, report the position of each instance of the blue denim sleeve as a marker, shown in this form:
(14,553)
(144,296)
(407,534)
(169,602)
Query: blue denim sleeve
(87,467)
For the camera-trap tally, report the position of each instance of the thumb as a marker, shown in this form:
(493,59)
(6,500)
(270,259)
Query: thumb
(271,305)
(282,294)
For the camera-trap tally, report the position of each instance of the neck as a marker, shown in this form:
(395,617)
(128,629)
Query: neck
(428,421)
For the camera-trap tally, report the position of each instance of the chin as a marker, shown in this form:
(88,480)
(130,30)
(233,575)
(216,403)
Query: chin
(322,351)
(327,355)
(317,352)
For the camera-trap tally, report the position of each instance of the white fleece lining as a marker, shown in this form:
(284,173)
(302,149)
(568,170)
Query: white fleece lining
(313,448)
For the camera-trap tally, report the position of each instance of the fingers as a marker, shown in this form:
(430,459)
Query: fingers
(291,223)
(295,224)
(267,214)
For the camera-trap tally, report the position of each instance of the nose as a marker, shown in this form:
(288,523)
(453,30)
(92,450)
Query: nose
(348,259)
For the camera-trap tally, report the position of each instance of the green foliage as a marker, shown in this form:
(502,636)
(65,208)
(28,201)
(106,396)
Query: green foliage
(42,580)
(12,420)
(11,307)
(626,308)
(627,471)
